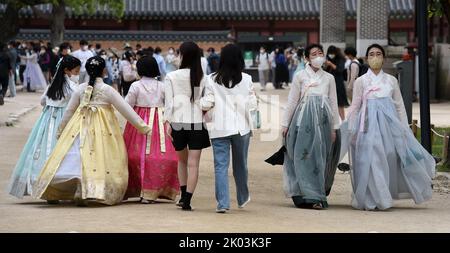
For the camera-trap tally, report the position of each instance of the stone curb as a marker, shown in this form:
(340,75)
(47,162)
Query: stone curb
(15,117)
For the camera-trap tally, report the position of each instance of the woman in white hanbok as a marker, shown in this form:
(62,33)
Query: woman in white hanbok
(33,77)
(387,161)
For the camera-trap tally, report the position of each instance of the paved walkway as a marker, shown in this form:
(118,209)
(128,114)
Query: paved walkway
(269,210)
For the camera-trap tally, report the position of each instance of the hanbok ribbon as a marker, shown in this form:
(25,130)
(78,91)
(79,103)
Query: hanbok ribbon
(50,131)
(364,107)
(87,112)
(313,84)
(162,137)
(149,134)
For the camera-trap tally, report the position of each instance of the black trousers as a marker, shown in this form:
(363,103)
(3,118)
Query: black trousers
(4,84)
(21,70)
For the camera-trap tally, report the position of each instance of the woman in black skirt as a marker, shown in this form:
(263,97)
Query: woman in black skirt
(335,65)
(184,119)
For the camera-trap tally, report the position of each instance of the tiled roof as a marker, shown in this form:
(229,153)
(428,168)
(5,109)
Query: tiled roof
(34,34)
(226,9)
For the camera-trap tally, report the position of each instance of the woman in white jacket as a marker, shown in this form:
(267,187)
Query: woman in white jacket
(228,97)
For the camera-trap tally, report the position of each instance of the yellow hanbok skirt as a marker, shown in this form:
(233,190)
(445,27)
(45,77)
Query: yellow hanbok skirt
(104,164)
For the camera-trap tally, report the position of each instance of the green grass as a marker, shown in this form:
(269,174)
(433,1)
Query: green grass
(438,144)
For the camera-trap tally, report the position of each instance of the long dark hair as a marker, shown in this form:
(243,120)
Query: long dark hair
(58,86)
(95,67)
(231,66)
(191,60)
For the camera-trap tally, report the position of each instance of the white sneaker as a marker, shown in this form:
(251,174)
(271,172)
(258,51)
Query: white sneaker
(146,201)
(245,203)
(221,210)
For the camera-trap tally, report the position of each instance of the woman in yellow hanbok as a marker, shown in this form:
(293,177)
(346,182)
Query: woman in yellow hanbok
(90,161)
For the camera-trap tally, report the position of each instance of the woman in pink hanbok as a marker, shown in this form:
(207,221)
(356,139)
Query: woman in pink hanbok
(152,160)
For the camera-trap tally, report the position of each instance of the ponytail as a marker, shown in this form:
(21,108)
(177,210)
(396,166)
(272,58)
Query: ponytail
(94,68)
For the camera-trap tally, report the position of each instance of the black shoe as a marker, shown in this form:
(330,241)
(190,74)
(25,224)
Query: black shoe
(187,202)
(53,202)
(344,167)
(2,102)
(183,195)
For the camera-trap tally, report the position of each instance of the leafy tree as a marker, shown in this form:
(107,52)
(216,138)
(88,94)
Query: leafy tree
(10,25)
(440,8)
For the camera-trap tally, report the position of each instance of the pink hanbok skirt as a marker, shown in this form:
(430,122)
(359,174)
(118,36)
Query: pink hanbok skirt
(152,171)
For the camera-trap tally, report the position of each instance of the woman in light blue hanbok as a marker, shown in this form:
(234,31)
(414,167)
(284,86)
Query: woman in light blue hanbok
(310,128)
(43,135)
(387,162)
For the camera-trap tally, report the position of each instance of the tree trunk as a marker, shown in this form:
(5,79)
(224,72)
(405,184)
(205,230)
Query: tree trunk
(9,26)
(57,27)
(446,9)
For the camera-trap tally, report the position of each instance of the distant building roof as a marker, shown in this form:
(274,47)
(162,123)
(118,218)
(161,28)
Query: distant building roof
(44,34)
(225,9)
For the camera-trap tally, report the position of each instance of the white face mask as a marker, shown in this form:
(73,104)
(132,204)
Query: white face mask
(170,51)
(84,48)
(262,51)
(318,62)
(331,56)
(105,57)
(75,78)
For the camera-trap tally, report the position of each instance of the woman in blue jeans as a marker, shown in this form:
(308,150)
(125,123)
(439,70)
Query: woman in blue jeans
(228,98)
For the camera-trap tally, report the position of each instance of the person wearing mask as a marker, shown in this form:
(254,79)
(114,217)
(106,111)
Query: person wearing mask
(109,77)
(387,161)
(115,65)
(44,62)
(33,76)
(42,138)
(335,65)
(263,62)
(310,125)
(161,63)
(352,70)
(89,161)
(170,60)
(83,54)
(23,51)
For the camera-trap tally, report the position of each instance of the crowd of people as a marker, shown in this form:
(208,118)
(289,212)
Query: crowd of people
(33,64)
(180,103)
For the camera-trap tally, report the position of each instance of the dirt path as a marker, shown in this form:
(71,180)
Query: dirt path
(269,210)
